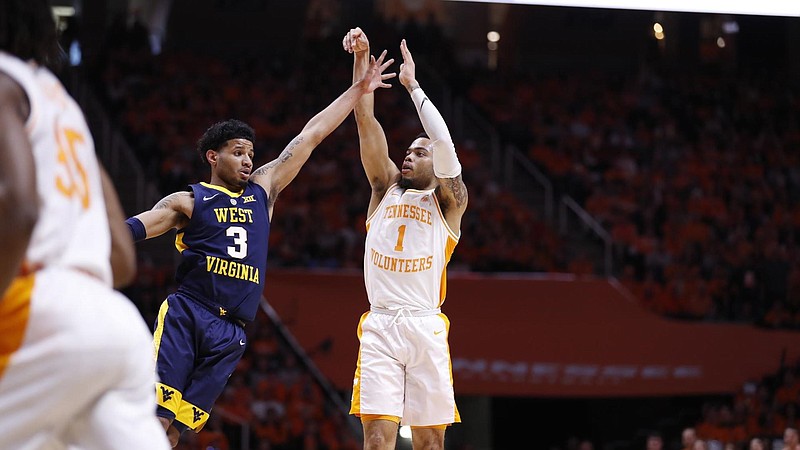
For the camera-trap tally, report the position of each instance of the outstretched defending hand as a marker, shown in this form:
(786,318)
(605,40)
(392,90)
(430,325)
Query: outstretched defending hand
(374,78)
(355,41)
(408,71)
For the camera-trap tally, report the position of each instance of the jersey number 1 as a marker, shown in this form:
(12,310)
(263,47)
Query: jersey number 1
(401,233)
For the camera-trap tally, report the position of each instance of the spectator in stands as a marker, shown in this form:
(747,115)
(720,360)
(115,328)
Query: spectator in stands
(654,441)
(788,390)
(790,439)
(688,438)
(756,444)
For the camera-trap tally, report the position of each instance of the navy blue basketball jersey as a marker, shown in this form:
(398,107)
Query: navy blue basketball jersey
(224,250)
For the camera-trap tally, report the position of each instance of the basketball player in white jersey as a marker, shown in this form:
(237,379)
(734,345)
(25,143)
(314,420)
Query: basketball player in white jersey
(76,367)
(403,374)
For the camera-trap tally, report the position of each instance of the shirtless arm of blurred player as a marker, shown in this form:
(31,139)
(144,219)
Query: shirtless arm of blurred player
(451,192)
(381,171)
(123,251)
(277,174)
(18,201)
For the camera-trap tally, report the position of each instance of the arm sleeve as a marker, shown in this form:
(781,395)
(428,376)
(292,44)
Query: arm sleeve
(445,160)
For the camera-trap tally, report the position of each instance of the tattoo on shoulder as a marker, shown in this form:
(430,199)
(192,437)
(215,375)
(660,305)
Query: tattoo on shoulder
(170,200)
(459,190)
(285,155)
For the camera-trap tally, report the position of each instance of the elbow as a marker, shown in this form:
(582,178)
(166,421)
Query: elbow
(312,136)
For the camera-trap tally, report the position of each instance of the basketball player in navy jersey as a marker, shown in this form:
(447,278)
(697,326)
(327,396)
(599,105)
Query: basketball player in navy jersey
(222,234)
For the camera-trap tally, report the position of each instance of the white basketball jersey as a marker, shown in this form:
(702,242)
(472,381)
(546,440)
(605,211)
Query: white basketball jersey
(72,230)
(407,250)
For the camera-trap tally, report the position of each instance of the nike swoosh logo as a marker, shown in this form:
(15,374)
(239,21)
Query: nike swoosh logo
(438,332)
(241,341)
(205,199)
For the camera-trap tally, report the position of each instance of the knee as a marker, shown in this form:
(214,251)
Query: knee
(428,445)
(377,440)
(174,436)
(427,440)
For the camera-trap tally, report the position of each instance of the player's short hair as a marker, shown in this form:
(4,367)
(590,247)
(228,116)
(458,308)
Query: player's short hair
(27,31)
(422,135)
(221,132)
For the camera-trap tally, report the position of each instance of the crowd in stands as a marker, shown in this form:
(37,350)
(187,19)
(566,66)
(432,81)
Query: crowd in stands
(762,415)
(164,104)
(695,176)
(763,412)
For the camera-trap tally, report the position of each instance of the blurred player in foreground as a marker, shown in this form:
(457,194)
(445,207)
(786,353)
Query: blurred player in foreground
(76,368)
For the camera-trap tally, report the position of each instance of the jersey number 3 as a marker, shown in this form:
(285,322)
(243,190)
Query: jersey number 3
(239,248)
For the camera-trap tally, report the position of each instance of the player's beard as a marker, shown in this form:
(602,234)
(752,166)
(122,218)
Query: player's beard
(405,183)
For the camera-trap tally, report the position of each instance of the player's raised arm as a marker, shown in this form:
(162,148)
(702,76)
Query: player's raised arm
(379,168)
(452,192)
(277,174)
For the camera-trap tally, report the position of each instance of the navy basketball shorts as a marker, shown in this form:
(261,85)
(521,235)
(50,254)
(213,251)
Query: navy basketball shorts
(196,352)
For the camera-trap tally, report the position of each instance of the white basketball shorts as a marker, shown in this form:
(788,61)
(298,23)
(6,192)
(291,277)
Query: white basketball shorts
(76,367)
(404,368)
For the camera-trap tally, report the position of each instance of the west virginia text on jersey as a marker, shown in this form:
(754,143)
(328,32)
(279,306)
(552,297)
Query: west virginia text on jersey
(224,249)
(232,269)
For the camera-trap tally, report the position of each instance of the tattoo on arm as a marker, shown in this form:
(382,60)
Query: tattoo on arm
(168,201)
(285,155)
(459,190)
(263,169)
(287,152)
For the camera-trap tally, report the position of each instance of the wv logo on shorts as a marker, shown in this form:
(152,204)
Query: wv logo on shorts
(196,414)
(166,394)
